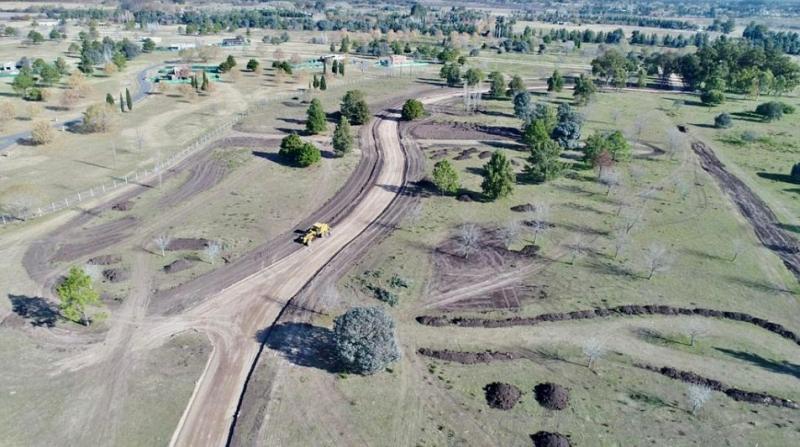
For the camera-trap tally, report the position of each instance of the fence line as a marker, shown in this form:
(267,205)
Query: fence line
(200,142)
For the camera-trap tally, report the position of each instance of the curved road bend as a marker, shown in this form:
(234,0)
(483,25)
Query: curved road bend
(259,299)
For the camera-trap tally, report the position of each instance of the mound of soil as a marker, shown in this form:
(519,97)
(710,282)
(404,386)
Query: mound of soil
(485,154)
(105,260)
(524,208)
(183,243)
(456,130)
(123,206)
(468,358)
(547,439)
(116,275)
(502,396)
(551,396)
(177,266)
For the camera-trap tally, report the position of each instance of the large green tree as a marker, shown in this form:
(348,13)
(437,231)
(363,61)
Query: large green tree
(498,177)
(342,137)
(76,294)
(354,107)
(497,88)
(445,177)
(316,120)
(412,109)
(298,152)
(555,83)
(584,90)
(365,340)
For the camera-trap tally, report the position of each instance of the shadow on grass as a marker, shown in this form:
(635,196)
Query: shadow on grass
(780,367)
(38,311)
(303,344)
(778,177)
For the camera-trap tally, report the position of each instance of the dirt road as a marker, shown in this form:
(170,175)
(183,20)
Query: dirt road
(753,209)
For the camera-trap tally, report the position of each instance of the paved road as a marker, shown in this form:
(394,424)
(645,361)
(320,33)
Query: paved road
(144,84)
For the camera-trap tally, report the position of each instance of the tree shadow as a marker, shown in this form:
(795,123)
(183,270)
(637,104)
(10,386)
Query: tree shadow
(293,121)
(38,311)
(788,227)
(780,367)
(274,157)
(778,177)
(757,285)
(303,344)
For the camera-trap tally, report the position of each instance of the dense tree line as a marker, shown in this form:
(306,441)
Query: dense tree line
(760,35)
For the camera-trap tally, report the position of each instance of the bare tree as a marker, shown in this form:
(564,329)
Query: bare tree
(42,132)
(541,215)
(7,113)
(468,237)
(657,259)
(697,395)
(577,248)
(622,240)
(694,330)
(212,251)
(593,349)
(162,242)
(738,247)
(511,233)
(630,217)
(610,178)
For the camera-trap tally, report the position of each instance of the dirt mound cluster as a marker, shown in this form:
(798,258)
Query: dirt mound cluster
(524,208)
(185,243)
(548,439)
(105,260)
(631,309)
(455,130)
(485,154)
(468,358)
(178,265)
(127,205)
(116,275)
(466,154)
(502,396)
(551,396)
(733,393)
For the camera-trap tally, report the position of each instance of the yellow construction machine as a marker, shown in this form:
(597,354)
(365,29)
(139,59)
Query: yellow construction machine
(319,229)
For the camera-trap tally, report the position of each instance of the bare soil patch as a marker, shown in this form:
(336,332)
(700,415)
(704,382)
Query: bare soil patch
(551,396)
(96,238)
(455,130)
(524,208)
(764,221)
(178,265)
(125,205)
(202,177)
(502,396)
(485,154)
(548,439)
(733,393)
(468,358)
(116,275)
(105,260)
(183,243)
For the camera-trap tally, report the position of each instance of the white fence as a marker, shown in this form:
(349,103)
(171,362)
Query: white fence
(151,173)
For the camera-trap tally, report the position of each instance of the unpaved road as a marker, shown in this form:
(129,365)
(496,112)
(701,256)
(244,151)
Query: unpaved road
(754,209)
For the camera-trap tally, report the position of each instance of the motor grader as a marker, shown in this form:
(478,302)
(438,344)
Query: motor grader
(317,230)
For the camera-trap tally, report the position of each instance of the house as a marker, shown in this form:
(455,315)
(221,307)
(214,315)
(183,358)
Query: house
(327,58)
(9,68)
(233,42)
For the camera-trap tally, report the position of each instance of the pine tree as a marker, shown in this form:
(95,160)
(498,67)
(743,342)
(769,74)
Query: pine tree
(342,137)
(341,68)
(204,87)
(128,99)
(335,68)
(316,118)
(121,103)
(445,177)
(109,99)
(498,178)
(323,85)
(315,82)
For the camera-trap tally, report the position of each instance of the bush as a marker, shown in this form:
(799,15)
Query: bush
(723,121)
(413,109)
(712,97)
(42,132)
(365,340)
(354,107)
(98,118)
(298,152)
(770,111)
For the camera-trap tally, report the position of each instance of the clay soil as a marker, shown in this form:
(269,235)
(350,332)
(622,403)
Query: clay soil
(548,439)
(462,131)
(551,396)
(468,358)
(502,396)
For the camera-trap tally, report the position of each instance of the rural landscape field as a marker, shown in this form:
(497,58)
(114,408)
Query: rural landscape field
(400,223)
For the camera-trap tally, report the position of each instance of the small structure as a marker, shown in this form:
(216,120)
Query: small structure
(237,41)
(155,39)
(9,68)
(180,72)
(180,46)
(329,58)
(395,59)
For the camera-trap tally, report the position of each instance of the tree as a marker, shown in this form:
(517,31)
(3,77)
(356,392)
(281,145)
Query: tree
(712,97)
(354,107)
(451,73)
(341,68)
(468,237)
(794,174)
(522,105)
(614,144)
(412,109)
(23,81)
(723,121)
(445,177)
(76,294)
(335,67)
(365,340)
(567,131)
(42,132)
(593,349)
(584,90)
(121,103)
(323,84)
(497,88)
(119,60)
(35,37)
(148,45)
(7,113)
(473,76)
(342,137)
(49,74)
(316,121)
(315,82)
(545,164)
(697,395)
(298,152)
(498,178)
(657,259)
(212,251)
(128,99)
(516,86)
(555,83)
(252,65)
(109,99)
(770,111)
(97,118)
(694,330)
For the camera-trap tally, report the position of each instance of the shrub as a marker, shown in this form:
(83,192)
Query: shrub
(723,121)
(795,174)
(42,132)
(298,152)
(770,111)
(365,340)
(712,97)
(412,109)
(354,107)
